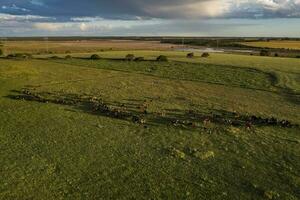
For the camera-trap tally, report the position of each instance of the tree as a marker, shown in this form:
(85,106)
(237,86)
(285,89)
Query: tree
(139,59)
(264,52)
(162,58)
(129,57)
(190,55)
(55,57)
(95,57)
(68,57)
(1,52)
(205,55)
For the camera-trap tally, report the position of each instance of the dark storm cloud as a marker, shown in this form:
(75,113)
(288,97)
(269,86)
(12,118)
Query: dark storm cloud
(71,8)
(103,8)
(64,10)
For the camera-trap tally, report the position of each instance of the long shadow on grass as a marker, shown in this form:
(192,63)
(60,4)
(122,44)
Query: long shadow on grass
(292,96)
(137,111)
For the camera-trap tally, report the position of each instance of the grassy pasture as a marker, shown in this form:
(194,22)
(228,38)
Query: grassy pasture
(68,151)
(285,70)
(277,44)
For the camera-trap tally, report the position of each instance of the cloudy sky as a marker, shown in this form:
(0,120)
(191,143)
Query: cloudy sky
(150,17)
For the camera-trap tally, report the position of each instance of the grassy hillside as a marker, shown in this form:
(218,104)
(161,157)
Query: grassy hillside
(285,70)
(184,129)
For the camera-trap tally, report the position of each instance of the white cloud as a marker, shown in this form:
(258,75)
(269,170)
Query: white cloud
(83,27)
(72,27)
(212,8)
(14,7)
(50,26)
(9,17)
(223,8)
(86,19)
(264,8)
(37,3)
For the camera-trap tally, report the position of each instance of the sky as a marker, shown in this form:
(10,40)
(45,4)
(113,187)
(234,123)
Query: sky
(247,18)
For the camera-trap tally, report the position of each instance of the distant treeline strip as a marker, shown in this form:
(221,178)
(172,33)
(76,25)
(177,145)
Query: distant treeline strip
(158,38)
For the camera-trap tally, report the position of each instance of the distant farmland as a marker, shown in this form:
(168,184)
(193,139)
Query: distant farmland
(77,46)
(283,44)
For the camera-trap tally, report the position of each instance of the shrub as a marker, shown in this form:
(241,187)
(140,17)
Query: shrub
(68,57)
(205,55)
(139,59)
(190,55)
(271,195)
(55,57)
(264,52)
(276,55)
(95,57)
(27,56)
(9,56)
(162,58)
(129,57)
(297,56)
(68,52)
(19,56)
(1,52)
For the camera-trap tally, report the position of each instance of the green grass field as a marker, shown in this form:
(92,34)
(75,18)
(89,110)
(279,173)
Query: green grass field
(198,128)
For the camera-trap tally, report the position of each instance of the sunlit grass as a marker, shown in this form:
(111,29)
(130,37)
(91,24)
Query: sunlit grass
(56,151)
